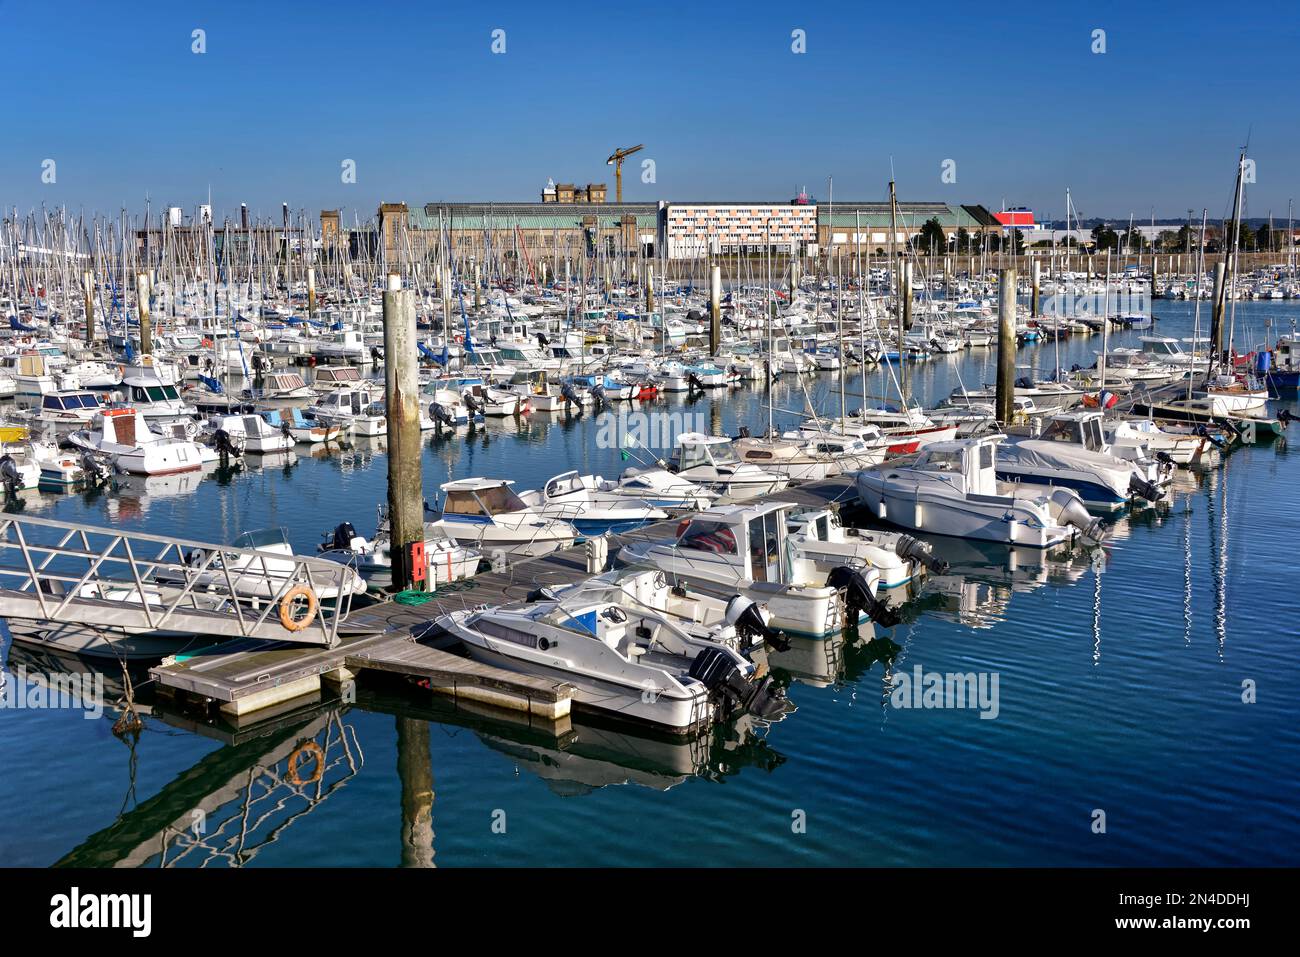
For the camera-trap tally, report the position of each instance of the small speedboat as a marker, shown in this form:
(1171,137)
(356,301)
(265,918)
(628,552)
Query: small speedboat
(124,437)
(629,649)
(254,433)
(448,561)
(490,516)
(745,549)
(952,489)
(580,500)
(711,461)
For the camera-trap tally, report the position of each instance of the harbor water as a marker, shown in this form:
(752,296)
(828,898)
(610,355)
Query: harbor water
(1144,692)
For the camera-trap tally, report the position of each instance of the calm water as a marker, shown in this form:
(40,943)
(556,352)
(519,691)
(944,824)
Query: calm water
(1120,690)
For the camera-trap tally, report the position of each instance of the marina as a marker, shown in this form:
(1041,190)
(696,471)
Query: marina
(673,483)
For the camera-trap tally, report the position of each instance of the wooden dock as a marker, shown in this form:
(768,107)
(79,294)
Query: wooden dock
(255,679)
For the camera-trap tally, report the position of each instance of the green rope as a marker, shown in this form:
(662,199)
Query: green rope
(413,597)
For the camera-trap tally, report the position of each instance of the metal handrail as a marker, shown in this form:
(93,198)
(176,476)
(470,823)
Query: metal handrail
(163,587)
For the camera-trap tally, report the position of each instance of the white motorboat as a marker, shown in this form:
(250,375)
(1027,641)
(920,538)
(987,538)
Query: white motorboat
(254,433)
(628,649)
(329,378)
(1102,481)
(153,392)
(579,500)
(356,409)
(487,514)
(262,569)
(447,560)
(124,436)
(711,461)
(744,549)
(952,489)
(897,558)
(282,386)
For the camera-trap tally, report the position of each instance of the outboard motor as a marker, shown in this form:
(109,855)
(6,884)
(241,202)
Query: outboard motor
(341,539)
(1073,513)
(570,395)
(473,403)
(919,552)
(284,429)
(1144,489)
(718,671)
(742,432)
(540,594)
(9,476)
(542,341)
(441,414)
(225,446)
(96,469)
(858,597)
(748,620)
(598,393)
(694,382)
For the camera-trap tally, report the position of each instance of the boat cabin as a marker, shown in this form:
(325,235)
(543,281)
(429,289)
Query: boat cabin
(750,537)
(970,462)
(334,377)
(479,499)
(1076,428)
(80,405)
(695,449)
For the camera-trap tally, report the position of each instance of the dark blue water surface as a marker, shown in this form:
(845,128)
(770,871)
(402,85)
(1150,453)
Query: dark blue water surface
(1120,676)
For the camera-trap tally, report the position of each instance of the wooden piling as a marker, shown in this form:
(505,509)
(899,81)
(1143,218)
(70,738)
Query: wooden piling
(142,304)
(1035,302)
(715,309)
(478,288)
(311,291)
(1006,345)
(649,289)
(88,289)
(415,771)
(405,479)
(906,295)
(1217,308)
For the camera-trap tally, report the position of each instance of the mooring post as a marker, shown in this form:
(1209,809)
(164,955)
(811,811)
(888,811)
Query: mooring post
(1006,344)
(478,288)
(88,288)
(311,291)
(405,481)
(715,308)
(142,305)
(1217,308)
(415,771)
(649,290)
(907,295)
(1035,278)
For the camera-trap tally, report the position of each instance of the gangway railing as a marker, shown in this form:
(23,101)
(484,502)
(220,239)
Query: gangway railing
(61,572)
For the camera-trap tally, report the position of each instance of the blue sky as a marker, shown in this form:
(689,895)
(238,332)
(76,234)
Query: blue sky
(1011,92)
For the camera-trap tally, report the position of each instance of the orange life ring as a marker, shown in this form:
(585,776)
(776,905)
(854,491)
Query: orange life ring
(317,754)
(287,618)
(207,343)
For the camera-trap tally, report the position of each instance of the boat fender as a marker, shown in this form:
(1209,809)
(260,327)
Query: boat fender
(288,619)
(312,751)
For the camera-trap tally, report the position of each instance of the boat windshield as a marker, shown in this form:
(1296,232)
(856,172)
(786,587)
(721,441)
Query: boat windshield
(262,538)
(707,536)
(939,460)
(486,501)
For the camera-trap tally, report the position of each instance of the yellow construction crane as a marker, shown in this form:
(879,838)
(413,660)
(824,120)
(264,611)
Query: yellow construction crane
(617,162)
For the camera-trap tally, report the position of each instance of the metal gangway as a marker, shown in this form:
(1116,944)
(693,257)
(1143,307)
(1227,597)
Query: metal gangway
(61,572)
